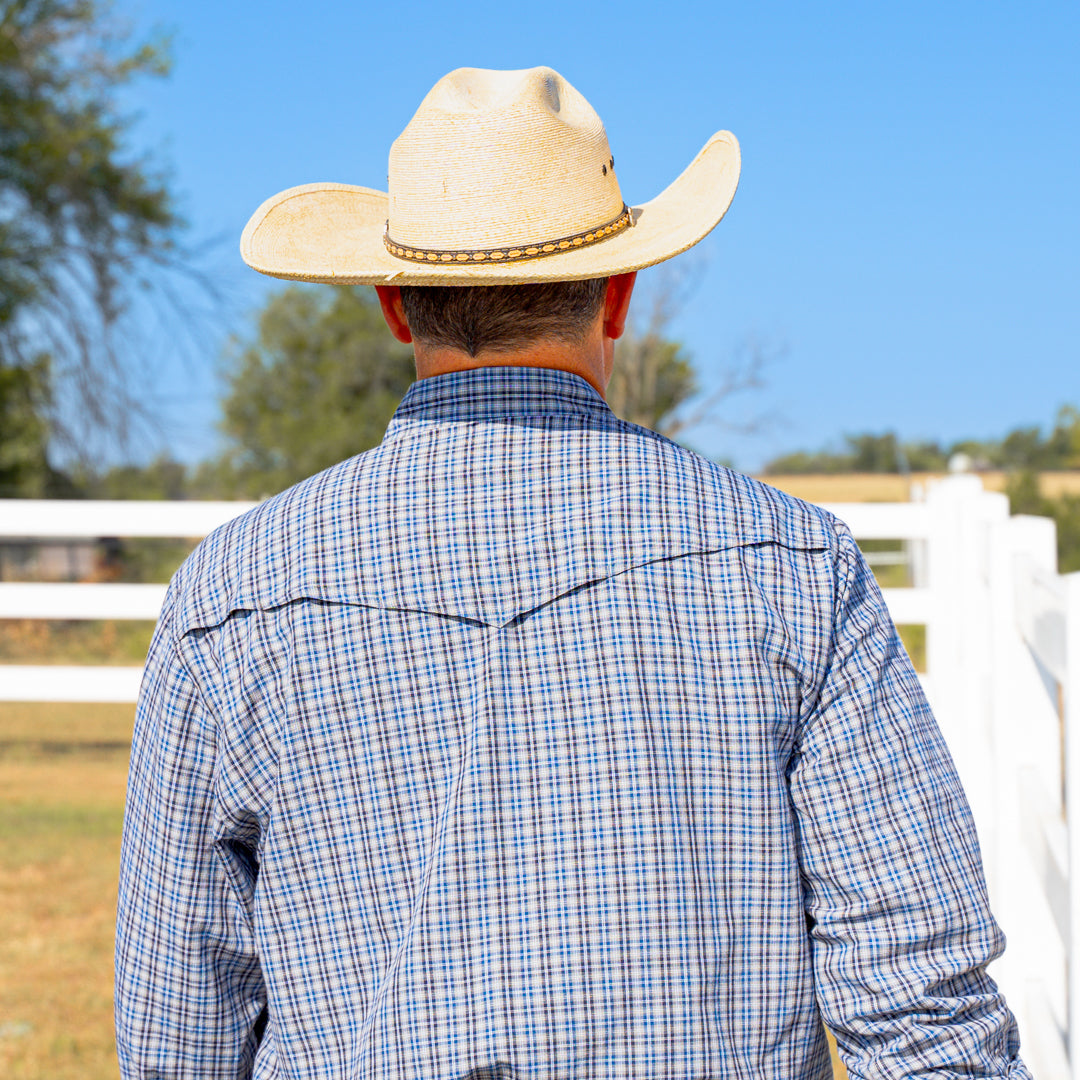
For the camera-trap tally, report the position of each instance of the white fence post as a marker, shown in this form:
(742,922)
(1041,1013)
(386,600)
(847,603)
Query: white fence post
(1030,891)
(1039,903)
(1007,888)
(1071,694)
(959,639)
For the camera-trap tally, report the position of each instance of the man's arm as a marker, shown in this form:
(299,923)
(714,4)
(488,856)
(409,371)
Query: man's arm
(189,991)
(902,931)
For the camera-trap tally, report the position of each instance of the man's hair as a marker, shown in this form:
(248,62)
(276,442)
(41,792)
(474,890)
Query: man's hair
(500,318)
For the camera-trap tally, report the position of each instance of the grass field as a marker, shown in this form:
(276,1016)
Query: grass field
(62,774)
(95,642)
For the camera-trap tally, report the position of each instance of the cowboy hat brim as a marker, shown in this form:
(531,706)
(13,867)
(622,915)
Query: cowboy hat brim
(334,233)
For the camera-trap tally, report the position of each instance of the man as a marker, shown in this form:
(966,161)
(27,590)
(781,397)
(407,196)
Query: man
(529,744)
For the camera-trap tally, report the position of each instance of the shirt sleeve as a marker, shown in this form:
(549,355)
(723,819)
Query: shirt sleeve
(894,892)
(189,989)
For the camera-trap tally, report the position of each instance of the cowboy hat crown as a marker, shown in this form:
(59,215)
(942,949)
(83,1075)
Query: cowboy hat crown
(548,175)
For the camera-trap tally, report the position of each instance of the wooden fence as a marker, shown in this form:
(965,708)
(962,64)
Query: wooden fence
(1002,672)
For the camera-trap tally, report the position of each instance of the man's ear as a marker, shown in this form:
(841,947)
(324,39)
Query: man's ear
(617,304)
(393,312)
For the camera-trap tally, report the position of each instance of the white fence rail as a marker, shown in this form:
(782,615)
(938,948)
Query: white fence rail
(43,518)
(40,519)
(34,600)
(1002,672)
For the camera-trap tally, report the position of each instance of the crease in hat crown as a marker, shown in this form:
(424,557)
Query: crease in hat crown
(496,159)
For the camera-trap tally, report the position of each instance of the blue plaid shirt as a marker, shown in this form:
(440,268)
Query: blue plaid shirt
(529,744)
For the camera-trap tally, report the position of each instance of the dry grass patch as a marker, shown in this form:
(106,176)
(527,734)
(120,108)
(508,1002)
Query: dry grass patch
(54,728)
(889,487)
(1054,484)
(90,641)
(845,487)
(62,776)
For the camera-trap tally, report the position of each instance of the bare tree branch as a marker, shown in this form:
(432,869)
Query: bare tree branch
(655,382)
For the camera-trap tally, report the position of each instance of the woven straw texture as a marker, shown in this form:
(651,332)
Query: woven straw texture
(501,176)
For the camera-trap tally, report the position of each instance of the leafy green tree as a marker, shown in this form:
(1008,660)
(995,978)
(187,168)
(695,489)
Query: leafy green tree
(1066,514)
(317,384)
(653,376)
(875,453)
(925,456)
(24,430)
(864,453)
(805,463)
(82,221)
(1022,448)
(25,470)
(1064,440)
(1026,497)
(162,478)
(1026,448)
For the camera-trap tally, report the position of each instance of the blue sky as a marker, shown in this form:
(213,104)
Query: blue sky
(905,240)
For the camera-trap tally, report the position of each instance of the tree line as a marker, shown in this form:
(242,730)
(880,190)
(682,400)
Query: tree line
(86,225)
(1022,448)
(1022,453)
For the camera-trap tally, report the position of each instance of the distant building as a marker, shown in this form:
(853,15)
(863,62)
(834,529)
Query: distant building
(32,559)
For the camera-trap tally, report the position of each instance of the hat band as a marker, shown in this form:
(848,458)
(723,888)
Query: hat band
(518,253)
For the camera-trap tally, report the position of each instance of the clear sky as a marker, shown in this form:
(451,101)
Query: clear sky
(906,235)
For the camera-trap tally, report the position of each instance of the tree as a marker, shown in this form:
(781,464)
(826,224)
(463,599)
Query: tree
(24,400)
(925,455)
(864,453)
(1026,497)
(1064,441)
(1022,448)
(318,383)
(161,478)
(82,222)
(651,378)
(1026,448)
(654,379)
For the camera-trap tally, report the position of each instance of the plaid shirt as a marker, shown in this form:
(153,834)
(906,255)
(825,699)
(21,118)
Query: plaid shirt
(529,744)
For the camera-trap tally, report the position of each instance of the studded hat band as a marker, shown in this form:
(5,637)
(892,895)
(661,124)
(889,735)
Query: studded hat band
(512,254)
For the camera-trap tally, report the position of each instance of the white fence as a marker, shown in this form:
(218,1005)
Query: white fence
(1002,672)
(40,519)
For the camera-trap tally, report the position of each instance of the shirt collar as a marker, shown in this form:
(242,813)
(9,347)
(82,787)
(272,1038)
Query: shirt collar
(495,393)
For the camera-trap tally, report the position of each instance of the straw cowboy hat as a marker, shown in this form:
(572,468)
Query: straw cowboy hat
(501,177)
